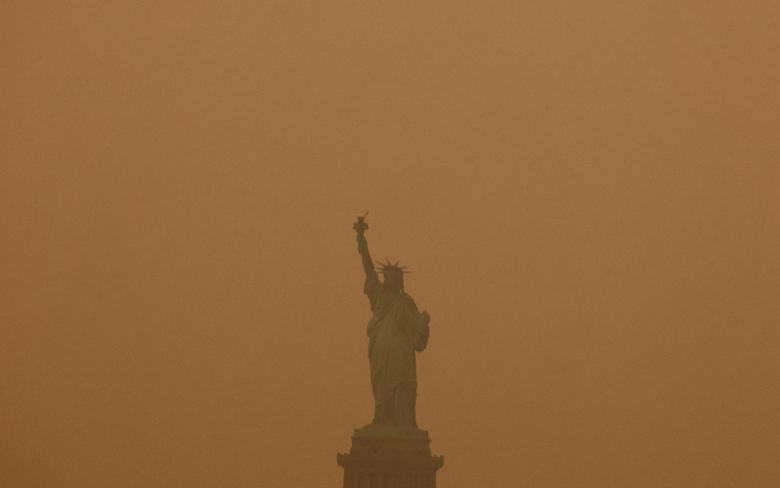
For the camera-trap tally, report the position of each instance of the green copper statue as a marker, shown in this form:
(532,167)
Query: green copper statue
(396,331)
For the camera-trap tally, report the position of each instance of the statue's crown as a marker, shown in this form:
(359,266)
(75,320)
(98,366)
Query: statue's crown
(388,266)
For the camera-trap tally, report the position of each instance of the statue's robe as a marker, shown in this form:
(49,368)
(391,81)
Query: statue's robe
(396,330)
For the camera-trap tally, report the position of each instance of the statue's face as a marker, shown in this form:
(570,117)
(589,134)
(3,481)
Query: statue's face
(394,280)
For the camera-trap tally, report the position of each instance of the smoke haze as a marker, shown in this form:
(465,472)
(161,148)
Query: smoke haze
(587,195)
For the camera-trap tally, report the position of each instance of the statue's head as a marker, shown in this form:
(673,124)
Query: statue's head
(393,276)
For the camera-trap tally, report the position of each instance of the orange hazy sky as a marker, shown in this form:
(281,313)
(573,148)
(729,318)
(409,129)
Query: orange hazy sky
(588,194)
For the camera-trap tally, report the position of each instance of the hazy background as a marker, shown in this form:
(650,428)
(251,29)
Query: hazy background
(588,194)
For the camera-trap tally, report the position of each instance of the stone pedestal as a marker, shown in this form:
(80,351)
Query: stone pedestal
(376,462)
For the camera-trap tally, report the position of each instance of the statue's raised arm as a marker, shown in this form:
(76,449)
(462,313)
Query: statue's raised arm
(361,227)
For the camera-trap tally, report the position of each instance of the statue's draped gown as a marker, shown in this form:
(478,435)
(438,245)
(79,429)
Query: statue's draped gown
(396,330)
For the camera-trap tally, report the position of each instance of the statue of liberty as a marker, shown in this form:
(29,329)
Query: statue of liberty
(396,332)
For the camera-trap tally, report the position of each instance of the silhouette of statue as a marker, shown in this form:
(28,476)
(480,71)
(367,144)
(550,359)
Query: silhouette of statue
(396,331)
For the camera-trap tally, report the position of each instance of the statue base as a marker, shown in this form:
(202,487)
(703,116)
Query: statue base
(390,462)
(390,432)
